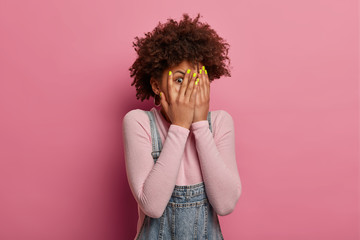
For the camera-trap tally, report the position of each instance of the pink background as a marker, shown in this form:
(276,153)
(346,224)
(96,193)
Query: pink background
(293,95)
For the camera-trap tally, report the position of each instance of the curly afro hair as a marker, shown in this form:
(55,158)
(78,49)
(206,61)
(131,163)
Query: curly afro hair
(173,42)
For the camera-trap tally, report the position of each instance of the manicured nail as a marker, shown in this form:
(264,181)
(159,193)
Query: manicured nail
(205,72)
(200,71)
(196,82)
(188,71)
(194,74)
(203,67)
(160,94)
(169,72)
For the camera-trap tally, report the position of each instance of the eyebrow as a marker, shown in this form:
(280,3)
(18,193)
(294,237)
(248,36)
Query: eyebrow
(179,72)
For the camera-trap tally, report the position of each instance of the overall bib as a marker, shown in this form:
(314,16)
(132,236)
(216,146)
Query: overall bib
(188,215)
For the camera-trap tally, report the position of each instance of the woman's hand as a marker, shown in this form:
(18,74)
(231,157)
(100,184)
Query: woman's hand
(202,97)
(181,105)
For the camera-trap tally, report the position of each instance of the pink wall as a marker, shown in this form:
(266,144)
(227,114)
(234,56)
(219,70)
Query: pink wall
(293,95)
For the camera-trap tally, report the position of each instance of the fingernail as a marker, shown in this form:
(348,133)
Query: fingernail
(196,82)
(200,71)
(194,74)
(169,72)
(205,72)
(160,94)
(203,67)
(188,71)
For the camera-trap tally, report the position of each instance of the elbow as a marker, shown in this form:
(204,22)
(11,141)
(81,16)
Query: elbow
(152,211)
(228,208)
(149,207)
(225,210)
(153,214)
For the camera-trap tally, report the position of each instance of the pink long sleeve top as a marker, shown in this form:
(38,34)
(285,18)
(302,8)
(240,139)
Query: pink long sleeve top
(187,157)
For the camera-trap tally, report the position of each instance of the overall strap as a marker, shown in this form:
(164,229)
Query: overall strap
(209,120)
(155,136)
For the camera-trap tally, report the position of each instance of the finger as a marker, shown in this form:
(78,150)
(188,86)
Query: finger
(190,88)
(194,92)
(184,84)
(201,87)
(170,87)
(207,82)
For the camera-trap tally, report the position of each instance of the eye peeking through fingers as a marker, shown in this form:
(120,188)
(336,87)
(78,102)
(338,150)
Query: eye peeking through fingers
(178,79)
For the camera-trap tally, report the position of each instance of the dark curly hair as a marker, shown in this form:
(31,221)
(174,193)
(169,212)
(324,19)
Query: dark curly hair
(173,42)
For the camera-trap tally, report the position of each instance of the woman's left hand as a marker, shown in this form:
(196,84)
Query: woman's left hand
(202,97)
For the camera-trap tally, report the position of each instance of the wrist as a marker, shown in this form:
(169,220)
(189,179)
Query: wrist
(200,119)
(203,124)
(182,125)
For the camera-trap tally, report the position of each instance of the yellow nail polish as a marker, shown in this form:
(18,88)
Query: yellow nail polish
(200,71)
(196,82)
(205,72)
(203,67)
(188,71)
(194,74)
(169,72)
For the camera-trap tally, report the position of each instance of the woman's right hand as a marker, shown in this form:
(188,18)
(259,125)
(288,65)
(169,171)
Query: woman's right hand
(180,105)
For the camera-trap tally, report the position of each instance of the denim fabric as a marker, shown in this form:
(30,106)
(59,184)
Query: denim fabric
(188,215)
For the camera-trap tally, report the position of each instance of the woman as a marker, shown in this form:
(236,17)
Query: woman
(180,160)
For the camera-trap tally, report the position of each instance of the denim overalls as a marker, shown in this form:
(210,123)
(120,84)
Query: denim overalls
(188,215)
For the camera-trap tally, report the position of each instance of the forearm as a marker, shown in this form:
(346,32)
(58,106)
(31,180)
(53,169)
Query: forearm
(154,191)
(222,181)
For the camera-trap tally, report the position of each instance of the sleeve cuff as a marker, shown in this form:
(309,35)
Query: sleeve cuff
(200,124)
(179,129)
